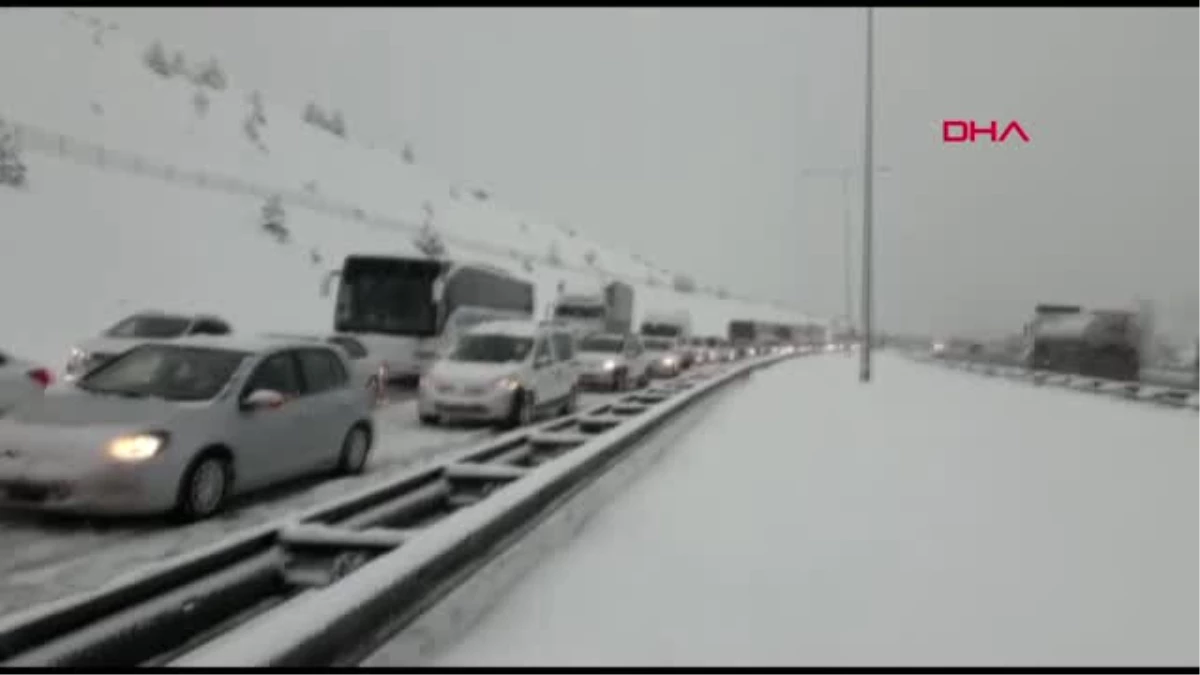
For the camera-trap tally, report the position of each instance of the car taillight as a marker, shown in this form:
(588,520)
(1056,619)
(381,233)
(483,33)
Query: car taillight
(42,376)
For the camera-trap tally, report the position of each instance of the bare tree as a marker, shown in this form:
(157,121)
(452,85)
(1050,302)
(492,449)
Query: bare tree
(684,284)
(12,169)
(274,219)
(209,74)
(554,255)
(200,102)
(178,64)
(155,58)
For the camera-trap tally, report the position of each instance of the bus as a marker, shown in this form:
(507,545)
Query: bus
(406,309)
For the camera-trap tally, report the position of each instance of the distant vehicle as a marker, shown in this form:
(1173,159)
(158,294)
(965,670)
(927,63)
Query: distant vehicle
(406,310)
(675,325)
(147,326)
(20,380)
(506,372)
(747,337)
(955,348)
(366,371)
(666,356)
(698,350)
(181,426)
(607,310)
(616,361)
(1092,343)
(720,350)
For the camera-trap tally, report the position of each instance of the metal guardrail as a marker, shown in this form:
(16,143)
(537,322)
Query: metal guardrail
(32,138)
(331,577)
(1175,397)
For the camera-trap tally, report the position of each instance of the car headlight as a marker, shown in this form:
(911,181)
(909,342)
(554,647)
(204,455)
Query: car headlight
(136,448)
(508,383)
(610,365)
(668,360)
(76,359)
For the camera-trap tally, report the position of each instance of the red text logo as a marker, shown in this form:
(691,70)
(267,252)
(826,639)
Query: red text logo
(969,131)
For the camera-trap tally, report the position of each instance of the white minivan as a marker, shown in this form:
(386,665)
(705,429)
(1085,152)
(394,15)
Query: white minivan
(507,372)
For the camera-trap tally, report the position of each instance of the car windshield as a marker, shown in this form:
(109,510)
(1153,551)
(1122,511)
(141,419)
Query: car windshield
(150,326)
(601,343)
(166,371)
(660,329)
(655,345)
(579,312)
(491,348)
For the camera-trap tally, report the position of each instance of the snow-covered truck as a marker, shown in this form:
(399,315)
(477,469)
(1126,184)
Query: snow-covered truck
(1093,343)
(607,309)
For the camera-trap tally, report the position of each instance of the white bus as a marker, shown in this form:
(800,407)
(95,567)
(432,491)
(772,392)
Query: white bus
(405,309)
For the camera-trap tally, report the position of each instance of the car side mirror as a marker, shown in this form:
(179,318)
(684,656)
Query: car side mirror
(262,399)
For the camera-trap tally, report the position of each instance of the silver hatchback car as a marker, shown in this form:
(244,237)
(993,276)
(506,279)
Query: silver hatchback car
(182,426)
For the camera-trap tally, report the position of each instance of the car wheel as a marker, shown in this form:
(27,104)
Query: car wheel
(355,449)
(204,487)
(430,420)
(521,412)
(621,381)
(572,402)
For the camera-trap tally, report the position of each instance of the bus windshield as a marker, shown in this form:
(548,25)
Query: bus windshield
(660,330)
(579,311)
(383,296)
(741,330)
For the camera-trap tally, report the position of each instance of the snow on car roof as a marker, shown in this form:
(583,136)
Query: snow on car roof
(244,343)
(513,328)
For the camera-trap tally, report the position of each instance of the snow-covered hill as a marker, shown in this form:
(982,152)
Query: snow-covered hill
(147,191)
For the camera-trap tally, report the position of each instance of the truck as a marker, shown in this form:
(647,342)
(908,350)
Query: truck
(1070,339)
(668,324)
(607,309)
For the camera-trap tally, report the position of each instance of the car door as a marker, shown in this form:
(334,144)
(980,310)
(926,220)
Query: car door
(567,370)
(544,366)
(635,357)
(272,444)
(330,401)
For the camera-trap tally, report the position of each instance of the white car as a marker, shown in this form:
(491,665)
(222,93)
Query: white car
(20,380)
(666,356)
(149,326)
(613,361)
(366,371)
(506,372)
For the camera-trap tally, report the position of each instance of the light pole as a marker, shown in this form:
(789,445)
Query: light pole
(845,175)
(864,370)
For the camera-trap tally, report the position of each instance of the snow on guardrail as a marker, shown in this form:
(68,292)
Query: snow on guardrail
(1135,391)
(321,627)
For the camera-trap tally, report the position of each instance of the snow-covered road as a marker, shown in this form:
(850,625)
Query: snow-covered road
(932,518)
(43,558)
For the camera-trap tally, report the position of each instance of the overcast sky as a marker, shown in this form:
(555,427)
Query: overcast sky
(685,135)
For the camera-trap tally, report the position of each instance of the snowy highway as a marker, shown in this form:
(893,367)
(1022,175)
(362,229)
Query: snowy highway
(932,518)
(46,557)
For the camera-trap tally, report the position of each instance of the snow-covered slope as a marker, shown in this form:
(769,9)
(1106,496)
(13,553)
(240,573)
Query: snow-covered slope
(140,197)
